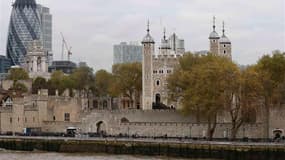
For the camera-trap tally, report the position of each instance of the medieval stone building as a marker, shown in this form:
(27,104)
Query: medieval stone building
(157,67)
(221,46)
(36,61)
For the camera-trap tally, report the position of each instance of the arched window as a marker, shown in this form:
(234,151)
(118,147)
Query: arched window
(157,82)
(225,52)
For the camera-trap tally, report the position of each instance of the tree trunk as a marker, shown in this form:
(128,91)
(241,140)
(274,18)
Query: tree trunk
(235,127)
(266,118)
(212,123)
(234,131)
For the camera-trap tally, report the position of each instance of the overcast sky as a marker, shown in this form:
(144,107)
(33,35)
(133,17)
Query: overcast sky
(92,27)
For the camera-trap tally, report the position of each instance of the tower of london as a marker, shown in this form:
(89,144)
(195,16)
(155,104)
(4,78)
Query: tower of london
(157,67)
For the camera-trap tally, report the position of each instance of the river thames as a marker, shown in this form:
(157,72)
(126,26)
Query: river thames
(12,155)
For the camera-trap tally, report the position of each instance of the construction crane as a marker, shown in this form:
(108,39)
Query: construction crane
(65,46)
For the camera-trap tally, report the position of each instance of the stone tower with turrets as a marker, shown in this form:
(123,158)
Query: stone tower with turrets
(148,51)
(225,45)
(220,45)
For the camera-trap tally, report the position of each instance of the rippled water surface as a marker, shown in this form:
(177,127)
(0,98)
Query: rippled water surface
(9,155)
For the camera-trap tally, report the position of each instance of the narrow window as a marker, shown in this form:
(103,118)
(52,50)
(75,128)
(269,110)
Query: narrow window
(224,51)
(157,82)
(53,118)
(11,119)
(66,117)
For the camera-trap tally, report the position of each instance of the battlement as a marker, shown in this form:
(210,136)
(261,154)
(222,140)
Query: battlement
(128,111)
(168,56)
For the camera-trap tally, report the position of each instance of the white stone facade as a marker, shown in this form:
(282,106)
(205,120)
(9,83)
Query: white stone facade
(36,61)
(221,46)
(157,67)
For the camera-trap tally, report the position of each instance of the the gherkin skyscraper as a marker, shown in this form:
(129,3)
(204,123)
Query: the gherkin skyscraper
(24,27)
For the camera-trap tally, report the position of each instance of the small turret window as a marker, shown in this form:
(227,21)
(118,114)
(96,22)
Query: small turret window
(224,45)
(225,52)
(157,82)
(214,41)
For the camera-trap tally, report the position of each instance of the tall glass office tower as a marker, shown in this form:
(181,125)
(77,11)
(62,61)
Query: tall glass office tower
(46,26)
(25,26)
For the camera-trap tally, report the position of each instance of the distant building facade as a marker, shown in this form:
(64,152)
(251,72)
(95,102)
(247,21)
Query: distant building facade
(36,61)
(46,26)
(176,44)
(66,67)
(127,53)
(5,64)
(28,22)
(82,64)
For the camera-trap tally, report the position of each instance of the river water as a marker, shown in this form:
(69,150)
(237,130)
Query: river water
(12,155)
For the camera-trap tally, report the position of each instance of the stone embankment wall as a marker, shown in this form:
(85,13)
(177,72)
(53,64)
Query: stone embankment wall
(229,151)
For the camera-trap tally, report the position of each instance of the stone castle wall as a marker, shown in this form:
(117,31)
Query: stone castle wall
(159,123)
(48,114)
(39,112)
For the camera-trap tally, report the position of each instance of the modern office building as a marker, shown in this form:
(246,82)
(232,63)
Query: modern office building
(127,53)
(5,64)
(176,44)
(46,27)
(82,64)
(28,22)
(66,67)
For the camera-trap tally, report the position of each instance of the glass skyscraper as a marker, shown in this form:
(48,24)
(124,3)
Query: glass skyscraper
(46,27)
(127,53)
(28,22)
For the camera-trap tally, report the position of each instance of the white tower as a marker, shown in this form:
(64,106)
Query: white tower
(214,39)
(36,61)
(148,51)
(225,45)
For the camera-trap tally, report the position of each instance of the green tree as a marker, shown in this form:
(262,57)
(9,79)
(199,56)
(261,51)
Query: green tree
(103,82)
(202,83)
(39,83)
(56,83)
(127,81)
(83,78)
(271,71)
(16,74)
(19,87)
(241,102)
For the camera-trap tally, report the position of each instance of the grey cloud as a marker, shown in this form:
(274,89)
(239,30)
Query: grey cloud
(91,27)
